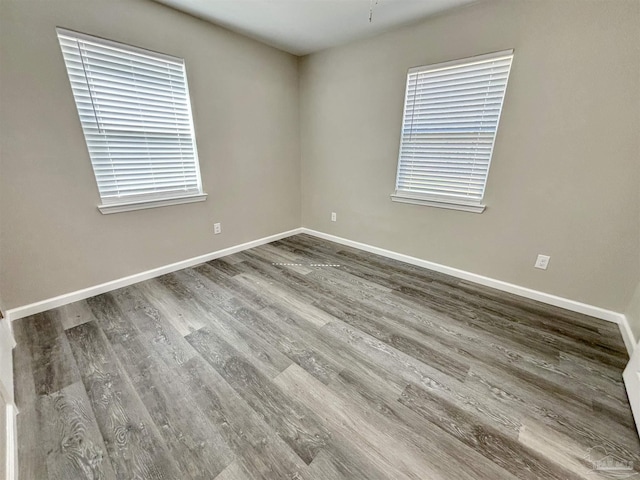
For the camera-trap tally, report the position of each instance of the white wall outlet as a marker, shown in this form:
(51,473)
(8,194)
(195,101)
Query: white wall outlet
(217,228)
(542,261)
(334,216)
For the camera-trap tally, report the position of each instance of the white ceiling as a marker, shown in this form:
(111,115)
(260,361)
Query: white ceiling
(305,26)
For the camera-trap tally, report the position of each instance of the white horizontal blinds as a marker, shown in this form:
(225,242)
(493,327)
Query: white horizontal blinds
(136,117)
(451,116)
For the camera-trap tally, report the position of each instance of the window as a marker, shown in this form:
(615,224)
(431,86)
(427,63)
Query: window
(451,115)
(135,112)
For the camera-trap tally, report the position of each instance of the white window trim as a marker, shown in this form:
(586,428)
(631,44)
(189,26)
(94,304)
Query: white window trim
(109,208)
(472,207)
(449,202)
(148,201)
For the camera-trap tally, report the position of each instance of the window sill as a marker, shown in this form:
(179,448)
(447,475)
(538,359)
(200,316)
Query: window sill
(465,207)
(106,209)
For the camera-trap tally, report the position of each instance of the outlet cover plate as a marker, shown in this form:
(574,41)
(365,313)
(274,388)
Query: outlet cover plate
(542,262)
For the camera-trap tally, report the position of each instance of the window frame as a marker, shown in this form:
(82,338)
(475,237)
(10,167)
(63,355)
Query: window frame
(443,201)
(149,200)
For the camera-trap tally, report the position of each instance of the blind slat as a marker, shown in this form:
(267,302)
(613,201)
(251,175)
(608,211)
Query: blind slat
(477,75)
(451,116)
(135,112)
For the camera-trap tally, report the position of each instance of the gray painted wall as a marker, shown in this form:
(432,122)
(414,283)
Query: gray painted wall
(245,103)
(564,179)
(565,175)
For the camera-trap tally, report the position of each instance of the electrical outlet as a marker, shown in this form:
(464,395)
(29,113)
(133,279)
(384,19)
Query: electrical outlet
(542,262)
(217,228)
(334,216)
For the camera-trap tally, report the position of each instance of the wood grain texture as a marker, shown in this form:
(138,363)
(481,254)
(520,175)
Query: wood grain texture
(194,442)
(293,421)
(270,365)
(135,447)
(75,447)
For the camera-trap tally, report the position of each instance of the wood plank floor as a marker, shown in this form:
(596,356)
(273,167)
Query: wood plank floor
(304,359)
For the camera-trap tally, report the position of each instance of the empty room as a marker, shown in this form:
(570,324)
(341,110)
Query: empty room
(319,239)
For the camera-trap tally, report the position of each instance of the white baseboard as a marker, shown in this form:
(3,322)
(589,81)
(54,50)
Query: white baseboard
(31,309)
(12,442)
(629,338)
(44,305)
(586,309)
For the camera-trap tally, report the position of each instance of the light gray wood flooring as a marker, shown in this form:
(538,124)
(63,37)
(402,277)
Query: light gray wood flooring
(304,359)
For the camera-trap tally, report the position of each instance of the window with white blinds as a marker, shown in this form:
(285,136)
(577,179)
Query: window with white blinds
(136,117)
(451,116)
